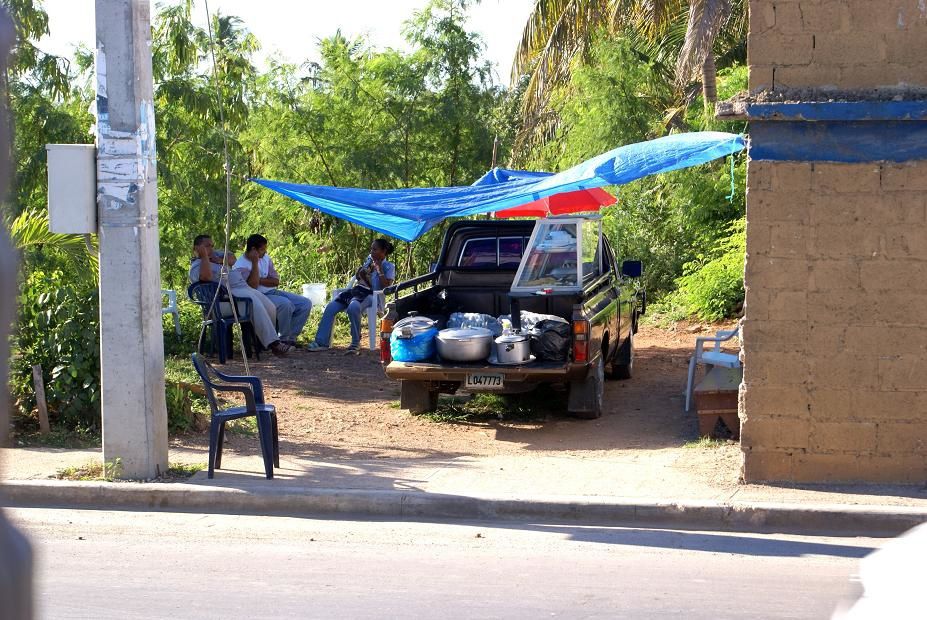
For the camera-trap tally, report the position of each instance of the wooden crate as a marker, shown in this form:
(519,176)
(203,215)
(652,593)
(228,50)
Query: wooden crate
(716,398)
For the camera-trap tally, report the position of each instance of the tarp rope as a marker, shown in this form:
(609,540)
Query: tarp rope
(224,269)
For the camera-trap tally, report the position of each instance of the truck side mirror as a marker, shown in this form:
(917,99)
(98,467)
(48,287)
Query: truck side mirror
(632,268)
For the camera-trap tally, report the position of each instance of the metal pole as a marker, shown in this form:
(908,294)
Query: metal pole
(131,340)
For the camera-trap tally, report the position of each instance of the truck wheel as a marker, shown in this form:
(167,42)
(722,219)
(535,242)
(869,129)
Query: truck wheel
(623,365)
(585,399)
(417,396)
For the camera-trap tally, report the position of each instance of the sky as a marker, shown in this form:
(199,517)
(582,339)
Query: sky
(293,27)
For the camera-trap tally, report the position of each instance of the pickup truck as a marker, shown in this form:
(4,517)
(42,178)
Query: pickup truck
(496,266)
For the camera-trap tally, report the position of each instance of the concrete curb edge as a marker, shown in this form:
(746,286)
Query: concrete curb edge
(316,502)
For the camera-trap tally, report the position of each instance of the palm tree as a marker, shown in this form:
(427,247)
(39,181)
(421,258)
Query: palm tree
(560,30)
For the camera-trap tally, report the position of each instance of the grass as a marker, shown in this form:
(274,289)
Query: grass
(707,443)
(486,407)
(666,312)
(58,438)
(108,472)
(92,470)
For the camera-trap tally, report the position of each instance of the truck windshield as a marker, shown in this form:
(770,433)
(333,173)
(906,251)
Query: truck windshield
(551,261)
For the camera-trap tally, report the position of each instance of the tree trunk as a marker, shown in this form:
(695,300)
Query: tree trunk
(709,80)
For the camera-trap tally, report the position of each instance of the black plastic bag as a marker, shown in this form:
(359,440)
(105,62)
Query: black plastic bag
(550,340)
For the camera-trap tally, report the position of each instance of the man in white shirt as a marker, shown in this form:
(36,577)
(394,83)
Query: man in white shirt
(257,269)
(206,266)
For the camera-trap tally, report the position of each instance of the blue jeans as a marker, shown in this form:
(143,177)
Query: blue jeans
(323,337)
(292,313)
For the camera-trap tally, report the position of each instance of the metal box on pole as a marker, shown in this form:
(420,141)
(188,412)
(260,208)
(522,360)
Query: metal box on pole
(72,188)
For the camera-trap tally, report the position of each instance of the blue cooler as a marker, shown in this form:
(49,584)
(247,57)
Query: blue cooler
(413,339)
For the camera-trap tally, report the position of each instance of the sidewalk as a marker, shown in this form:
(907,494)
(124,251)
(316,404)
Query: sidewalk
(639,487)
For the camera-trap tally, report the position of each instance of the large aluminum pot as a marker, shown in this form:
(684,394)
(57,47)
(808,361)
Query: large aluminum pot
(513,349)
(464,344)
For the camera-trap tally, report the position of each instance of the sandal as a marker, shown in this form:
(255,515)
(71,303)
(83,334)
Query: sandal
(280,348)
(352,349)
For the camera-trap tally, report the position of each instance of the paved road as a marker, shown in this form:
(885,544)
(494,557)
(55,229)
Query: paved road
(98,564)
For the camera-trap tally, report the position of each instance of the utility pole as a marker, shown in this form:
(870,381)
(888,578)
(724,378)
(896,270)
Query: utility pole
(131,340)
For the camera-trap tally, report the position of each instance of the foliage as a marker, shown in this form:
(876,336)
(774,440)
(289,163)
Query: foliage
(92,471)
(677,35)
(531,407)
(187,407)
(667,220)
(110,471)
(712,286)
(29,230)
(58,329)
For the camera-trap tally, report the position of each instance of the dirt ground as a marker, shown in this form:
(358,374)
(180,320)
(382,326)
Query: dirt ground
(331,405)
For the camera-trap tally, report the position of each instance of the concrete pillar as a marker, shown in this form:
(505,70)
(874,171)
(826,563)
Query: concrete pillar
(15,554)
(835,337)
(131,340)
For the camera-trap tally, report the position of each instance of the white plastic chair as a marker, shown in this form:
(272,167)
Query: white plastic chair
(713,357)
(171,308)
(372,311)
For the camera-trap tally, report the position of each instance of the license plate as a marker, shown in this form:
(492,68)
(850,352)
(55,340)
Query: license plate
(485,381)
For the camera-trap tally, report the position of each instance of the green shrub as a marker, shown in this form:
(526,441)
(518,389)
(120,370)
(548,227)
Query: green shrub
(184,401)
(713,286)
(58,328)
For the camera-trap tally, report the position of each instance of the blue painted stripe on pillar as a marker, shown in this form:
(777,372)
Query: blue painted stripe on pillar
(855,142)
(839,111)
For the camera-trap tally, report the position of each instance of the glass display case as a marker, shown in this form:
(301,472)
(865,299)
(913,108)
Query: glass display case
(561,253)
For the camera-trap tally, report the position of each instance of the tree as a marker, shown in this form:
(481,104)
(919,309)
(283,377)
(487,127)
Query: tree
(678,33)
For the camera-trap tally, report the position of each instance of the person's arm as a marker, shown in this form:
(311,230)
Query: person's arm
(254,276)
(386,272)
(205,265)
(272,280)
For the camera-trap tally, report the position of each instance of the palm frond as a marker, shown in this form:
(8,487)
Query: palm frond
(556,33)
(30,229)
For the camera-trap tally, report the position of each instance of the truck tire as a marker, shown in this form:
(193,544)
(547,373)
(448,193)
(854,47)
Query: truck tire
(622,367)
(585,398)
(417,396)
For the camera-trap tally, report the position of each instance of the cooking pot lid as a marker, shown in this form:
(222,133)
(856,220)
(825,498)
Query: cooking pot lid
(416,323)
(511,338)
(464,333)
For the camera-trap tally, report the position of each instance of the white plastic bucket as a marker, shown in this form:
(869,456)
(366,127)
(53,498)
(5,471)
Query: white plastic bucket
(315,293)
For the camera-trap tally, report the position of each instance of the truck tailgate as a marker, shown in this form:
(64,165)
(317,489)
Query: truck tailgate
(458,371)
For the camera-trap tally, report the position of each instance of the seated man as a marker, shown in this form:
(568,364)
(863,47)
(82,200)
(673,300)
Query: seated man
(205,266)
(257,268)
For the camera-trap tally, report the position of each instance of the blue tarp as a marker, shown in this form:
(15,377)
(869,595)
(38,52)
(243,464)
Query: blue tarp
(408,213)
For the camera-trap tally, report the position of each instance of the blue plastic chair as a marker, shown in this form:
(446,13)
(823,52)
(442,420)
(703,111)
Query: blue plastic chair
(266,414)
(204,295)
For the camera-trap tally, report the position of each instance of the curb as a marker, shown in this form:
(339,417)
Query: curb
(316,502)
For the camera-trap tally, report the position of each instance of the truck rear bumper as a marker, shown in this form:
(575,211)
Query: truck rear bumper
(536,372)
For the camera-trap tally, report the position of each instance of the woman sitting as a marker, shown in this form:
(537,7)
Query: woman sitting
(374,275)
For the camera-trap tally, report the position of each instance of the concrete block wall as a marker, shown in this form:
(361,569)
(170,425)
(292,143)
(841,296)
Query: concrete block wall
(835,336)
(837,44)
